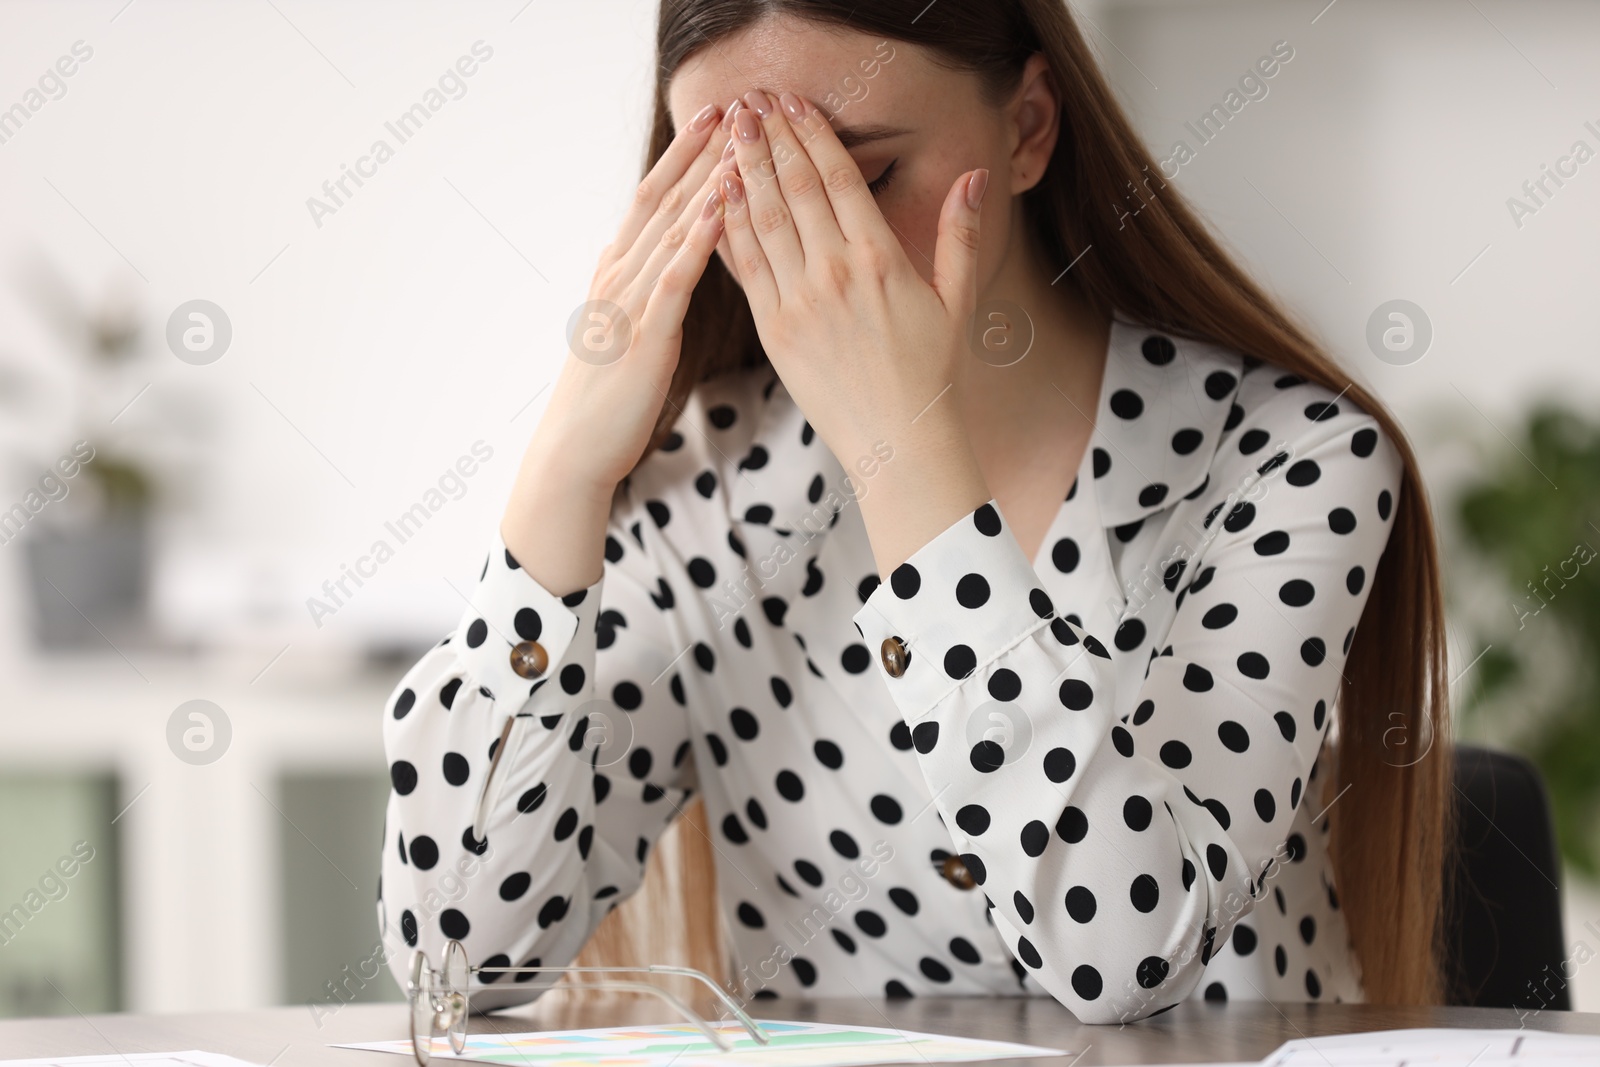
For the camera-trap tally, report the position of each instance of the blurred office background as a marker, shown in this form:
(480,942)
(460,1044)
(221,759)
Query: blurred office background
(371,346)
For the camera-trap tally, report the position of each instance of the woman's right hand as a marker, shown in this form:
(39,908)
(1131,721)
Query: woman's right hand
(621,358)
(624,349)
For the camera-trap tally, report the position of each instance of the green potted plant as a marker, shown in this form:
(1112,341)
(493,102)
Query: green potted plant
(1528,587)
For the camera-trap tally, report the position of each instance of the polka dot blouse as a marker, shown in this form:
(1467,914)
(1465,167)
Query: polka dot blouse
(1095,777)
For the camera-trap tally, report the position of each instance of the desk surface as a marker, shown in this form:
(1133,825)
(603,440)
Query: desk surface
(1193,1032)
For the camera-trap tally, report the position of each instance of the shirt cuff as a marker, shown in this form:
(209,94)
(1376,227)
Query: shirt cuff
(959,602)
(509,608)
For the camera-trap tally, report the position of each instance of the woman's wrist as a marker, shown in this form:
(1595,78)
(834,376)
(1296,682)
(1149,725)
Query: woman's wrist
(555,521)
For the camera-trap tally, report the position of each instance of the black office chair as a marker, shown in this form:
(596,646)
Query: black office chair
(1504,940)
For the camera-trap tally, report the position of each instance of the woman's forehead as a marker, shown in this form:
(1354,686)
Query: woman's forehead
(784,53)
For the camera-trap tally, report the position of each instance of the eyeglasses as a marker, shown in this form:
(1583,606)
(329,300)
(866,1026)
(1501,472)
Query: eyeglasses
(438,999)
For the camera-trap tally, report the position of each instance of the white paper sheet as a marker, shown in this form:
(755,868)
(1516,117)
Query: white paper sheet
(192,1058)
(794,1044)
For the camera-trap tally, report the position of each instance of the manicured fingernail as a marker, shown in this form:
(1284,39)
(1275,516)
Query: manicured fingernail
(746,126)
(733,188)
(975,187)
(759,101)
(702,118)
(713,205)
(727,113)
(791,105)
(727,149)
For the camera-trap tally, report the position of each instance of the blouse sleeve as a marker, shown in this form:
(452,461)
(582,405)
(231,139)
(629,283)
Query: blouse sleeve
(1119,848)
(597,764)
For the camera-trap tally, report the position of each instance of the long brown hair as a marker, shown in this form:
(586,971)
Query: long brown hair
(1391,815)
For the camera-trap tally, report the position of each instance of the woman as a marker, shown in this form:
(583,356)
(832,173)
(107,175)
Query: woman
(986,554)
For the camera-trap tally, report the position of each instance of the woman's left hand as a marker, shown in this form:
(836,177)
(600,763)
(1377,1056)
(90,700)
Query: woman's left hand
(862,343)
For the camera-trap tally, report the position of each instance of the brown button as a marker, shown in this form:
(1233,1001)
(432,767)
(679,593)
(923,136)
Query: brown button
(894,656)
(528,659)
(955,872)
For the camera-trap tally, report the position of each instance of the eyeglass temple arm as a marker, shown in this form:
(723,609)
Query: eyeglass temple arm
(751,1026)
(641,987)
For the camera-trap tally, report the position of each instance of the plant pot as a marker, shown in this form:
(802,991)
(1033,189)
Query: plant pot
(90,583)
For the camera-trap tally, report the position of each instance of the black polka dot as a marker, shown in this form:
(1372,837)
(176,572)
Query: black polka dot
(973,819)
(1272,544)
(1137,812)
(1035,836)
(1253,665)
(1086,981)
(1175,754)
(1233,736)
(1341,520)
(456,770)
(1126,404)
(454,924)
(1219,384)
(792,789)
(972,591)
(1305,472)
(1253,440)
(424,852)
(1321,411)
(403,775)
(1072,826)
(1151,972)
(905,581)
(960,661)
(1059,763)
(1266,806)
(1081,904)
(1158,350)
(1075,694)
(1144,893)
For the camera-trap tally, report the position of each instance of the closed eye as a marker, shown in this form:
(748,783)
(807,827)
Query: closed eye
(881,182)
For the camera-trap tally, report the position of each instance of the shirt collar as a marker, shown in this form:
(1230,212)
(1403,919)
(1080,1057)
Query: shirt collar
(1165,402)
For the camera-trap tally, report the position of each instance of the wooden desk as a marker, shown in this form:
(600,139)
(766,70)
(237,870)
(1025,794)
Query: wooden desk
(1193,1032)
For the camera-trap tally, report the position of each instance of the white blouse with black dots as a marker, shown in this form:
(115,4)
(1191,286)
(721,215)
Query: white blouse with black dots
(1094,779)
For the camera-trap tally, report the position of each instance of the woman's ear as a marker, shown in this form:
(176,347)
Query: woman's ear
(1035,117)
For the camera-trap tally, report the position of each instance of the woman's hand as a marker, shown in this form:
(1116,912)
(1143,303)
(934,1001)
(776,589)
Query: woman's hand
(861,341)
(625,343)
(620,363)
(865,347)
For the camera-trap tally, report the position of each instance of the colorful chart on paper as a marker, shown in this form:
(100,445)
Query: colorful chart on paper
(682,1045)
